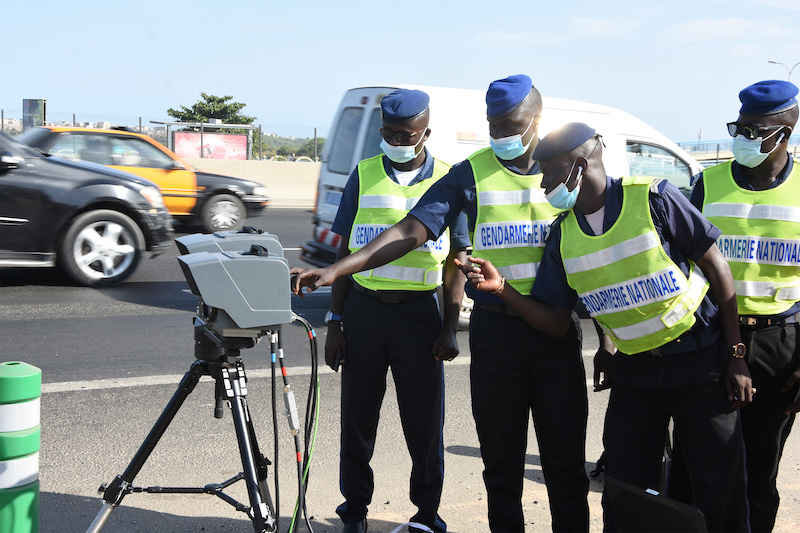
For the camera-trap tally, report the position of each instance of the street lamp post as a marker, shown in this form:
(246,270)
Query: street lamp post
(787,67)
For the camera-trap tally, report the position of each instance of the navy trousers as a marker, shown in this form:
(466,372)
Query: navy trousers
(648,390)
(399,336)
(517,372)
(772,354)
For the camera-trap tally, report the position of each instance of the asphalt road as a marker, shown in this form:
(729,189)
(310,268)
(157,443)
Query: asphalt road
(111,359)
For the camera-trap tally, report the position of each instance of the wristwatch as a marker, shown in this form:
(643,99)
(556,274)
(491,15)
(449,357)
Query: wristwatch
(330,315)
(738,350)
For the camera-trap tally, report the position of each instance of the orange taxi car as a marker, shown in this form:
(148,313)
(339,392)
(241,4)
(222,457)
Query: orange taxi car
(192,196)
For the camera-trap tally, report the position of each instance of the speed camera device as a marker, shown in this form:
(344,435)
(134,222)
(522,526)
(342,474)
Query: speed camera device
(229,241)
(243,281)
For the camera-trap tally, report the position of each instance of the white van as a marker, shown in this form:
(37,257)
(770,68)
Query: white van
(459,127)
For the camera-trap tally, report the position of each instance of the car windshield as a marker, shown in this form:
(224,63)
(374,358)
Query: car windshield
(16,147)
(34,136)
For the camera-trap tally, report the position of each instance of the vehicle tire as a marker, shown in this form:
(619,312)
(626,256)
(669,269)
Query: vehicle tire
(101,248)
(223,212)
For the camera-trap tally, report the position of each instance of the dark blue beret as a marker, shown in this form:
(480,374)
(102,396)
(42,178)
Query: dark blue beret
(563,140)
(768,97)
(505,95)
(403,104)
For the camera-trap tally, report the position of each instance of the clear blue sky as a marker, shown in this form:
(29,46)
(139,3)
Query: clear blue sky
(678,65)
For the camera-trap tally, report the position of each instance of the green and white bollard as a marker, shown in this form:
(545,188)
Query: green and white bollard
(20,439)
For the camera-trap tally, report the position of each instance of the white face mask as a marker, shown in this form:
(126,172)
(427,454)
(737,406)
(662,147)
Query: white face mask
(747,152)
(401,154)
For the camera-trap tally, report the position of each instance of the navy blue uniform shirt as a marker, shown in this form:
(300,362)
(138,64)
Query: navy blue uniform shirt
(343,223)
(448,198)
(698,196)
(684,232)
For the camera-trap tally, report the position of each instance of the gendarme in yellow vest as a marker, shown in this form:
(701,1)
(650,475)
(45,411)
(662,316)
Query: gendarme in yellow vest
(383,203)
(760,238)
(512,219)
(626,280)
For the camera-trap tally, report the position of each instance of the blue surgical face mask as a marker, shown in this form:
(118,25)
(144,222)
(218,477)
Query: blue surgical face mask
(747,152)
(511,147)
(560,197)
(401,154)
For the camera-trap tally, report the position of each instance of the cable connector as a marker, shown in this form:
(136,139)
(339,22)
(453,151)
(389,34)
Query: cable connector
(291,409)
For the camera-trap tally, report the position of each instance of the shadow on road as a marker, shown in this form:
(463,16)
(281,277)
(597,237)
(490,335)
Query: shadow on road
(64,512)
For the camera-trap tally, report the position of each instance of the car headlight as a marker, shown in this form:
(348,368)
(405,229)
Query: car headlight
(259,191)
(152,195)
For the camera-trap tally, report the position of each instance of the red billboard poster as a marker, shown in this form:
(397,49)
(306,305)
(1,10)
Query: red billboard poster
(215,145)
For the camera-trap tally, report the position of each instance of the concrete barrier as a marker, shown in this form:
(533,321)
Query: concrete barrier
(288,184)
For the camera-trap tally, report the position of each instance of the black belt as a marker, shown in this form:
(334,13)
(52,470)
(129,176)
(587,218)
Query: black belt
(393,297)
(690,343)
(500,309)
(761,321)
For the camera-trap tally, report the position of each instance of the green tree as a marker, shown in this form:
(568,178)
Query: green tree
(307,148)
(212,107)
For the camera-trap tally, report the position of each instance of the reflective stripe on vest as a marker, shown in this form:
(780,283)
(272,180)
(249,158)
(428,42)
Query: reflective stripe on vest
(511,221)
(638,311)
(759,238)
(381,204)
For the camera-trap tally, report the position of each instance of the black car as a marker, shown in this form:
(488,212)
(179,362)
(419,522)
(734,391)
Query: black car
(93,222)
(214,201)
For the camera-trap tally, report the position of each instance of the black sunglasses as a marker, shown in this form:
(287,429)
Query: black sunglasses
(753,132)
(404,138)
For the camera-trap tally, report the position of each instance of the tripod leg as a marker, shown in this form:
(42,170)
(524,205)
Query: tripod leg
(236,391)
(116,490)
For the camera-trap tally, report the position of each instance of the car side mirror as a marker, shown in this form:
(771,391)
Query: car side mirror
(177,165)
(8,161)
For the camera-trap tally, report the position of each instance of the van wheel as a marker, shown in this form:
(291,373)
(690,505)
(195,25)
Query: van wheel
(101,248)
(223,212)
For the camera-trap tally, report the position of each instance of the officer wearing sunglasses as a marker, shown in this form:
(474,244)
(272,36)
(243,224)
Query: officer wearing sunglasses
(755,201)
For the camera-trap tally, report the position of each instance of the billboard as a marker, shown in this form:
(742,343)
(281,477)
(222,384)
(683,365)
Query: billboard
(215,145)
(33,113)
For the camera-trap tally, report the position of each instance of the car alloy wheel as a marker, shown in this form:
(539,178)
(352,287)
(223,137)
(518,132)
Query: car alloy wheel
(223,212)
(101,248)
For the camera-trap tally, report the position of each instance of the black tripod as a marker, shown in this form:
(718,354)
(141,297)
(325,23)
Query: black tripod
(219,358)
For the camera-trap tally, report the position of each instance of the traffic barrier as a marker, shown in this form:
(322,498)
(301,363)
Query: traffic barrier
(20,439)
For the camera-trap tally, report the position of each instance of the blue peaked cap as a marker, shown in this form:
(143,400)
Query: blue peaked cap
(563,140)
(505,95)
(768,97)
(403,104)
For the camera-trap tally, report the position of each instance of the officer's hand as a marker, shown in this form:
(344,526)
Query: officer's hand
(333,343)
(312,279)
(446,347)
(482,274)
(738,383)
(602,360)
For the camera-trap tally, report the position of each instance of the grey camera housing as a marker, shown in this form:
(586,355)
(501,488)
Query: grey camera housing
(242,279)
(228,241)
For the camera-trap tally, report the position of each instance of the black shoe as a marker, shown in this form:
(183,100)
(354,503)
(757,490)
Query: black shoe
(356,527)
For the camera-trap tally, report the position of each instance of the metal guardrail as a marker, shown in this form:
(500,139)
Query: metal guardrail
(709,153)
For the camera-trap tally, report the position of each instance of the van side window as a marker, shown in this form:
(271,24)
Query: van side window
(372,141)
(649,160)
(344,141)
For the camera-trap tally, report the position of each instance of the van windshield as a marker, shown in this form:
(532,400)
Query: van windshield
(372,141)
(344,141)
